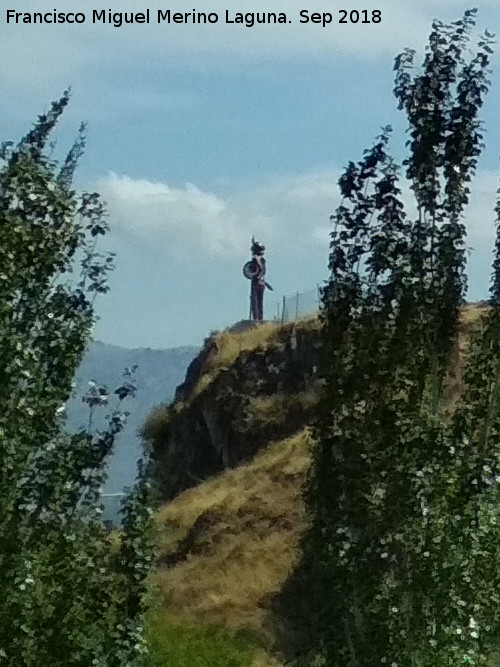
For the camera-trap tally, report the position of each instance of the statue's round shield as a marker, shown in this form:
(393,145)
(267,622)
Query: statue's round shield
(250,269)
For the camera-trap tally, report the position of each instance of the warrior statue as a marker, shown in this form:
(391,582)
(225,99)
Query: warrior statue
(255,270)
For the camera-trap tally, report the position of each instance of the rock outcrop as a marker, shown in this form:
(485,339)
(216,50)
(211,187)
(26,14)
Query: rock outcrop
(225,412)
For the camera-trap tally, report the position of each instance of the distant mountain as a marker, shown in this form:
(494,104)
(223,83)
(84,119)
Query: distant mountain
(157,375)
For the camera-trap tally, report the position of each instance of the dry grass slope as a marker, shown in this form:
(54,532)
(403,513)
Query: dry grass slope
(232,542)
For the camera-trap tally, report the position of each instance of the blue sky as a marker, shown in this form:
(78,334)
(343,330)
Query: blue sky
(200,136)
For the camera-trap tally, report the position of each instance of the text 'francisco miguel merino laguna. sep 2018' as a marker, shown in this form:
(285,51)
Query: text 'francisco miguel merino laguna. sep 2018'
(243,18)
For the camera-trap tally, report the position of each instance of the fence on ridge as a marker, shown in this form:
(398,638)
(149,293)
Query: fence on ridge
(295,306)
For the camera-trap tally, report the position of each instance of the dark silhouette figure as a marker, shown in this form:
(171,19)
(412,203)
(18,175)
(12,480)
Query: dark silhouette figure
(255,270)
(258,281)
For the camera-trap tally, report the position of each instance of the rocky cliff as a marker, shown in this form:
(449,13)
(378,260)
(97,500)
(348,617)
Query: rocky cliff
(245,389)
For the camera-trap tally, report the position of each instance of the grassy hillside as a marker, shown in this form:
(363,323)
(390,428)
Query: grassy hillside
(242,526)
(229,545)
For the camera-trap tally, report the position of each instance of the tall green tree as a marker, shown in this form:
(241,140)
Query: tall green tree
(67,597)
(404,542)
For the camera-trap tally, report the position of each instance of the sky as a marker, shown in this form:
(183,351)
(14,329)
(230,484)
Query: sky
(201,136)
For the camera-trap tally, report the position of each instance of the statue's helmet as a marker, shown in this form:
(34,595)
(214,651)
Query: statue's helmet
(257,248)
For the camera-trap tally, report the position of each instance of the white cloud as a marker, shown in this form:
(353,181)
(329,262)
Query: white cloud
(289,212)
(184,220)
(172,220)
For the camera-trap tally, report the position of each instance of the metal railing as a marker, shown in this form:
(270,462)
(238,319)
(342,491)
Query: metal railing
(298,305)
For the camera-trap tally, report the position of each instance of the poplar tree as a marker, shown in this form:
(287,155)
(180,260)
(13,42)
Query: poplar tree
(404,541)
(67,597)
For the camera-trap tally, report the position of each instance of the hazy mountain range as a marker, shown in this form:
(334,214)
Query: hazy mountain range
(157,375)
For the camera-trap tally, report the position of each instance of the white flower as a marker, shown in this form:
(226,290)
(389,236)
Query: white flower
(472,623)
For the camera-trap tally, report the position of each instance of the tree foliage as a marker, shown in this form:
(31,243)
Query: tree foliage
(404,539)
(67,596)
